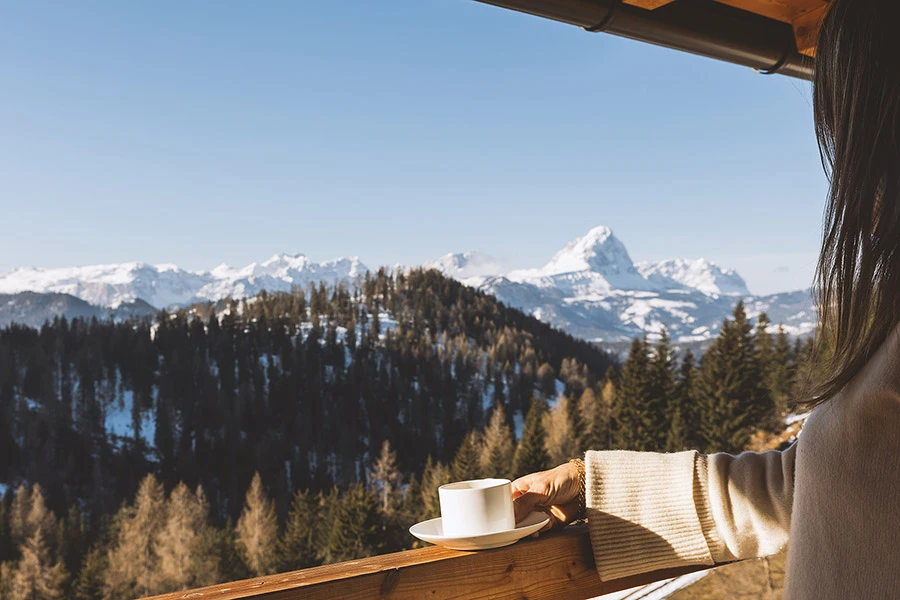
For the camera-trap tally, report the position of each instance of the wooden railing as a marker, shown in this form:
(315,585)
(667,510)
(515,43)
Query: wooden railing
(557,565)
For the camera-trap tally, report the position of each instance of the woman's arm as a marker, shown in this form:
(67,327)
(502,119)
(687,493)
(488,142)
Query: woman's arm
(651,511)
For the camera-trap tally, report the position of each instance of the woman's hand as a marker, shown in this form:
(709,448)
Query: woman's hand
(554,492)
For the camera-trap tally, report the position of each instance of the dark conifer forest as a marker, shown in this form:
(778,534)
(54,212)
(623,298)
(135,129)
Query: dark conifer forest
(289,430)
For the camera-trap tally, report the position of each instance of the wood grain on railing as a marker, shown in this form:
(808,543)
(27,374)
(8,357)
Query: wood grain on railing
(557,565)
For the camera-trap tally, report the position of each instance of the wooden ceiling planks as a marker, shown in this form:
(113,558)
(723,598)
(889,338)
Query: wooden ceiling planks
(804,15)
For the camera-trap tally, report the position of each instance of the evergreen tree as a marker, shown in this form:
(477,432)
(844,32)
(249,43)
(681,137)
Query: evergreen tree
(412,502)
(133,566)
(467,463)
(594,420)
(296,548)
(547,381)
(35,577)
(731,397)
(257,531)
(89,584)
(682,411)
(18,515)
(225,550)
(636,425)
(609,408)
(182,545)
(6,575)
(781,375)
(357,528)
(561,441)
(40,518)
(434,476)
(662,387)
(385,478)
(71,540)
(531,454)
(497,447)
(7,549)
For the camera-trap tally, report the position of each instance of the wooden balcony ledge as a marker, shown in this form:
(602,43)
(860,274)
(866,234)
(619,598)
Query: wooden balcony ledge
(557,565)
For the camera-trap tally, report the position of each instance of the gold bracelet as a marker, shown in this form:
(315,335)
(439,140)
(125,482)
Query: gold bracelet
(582,500)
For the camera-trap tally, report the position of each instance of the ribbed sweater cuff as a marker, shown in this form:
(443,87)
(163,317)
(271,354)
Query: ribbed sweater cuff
(648,511)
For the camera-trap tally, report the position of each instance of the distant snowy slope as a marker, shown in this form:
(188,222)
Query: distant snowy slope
(167,285)
(470,267)
(699,274)
(34,309)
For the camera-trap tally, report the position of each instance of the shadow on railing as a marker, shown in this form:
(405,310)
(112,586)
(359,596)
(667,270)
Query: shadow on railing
(558,565)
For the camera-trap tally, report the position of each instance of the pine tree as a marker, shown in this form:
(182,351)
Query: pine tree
(497,447)
(609,408)
(225,550)
(385,478)
(731,397)
(182,545)
(531,454)
(547,381)
(296,548)
(467,463)
(434,476)
(257,531)
(7,549)
(561,441)
(662,385)
(18,515)
(682,411)
(133,566)
(40,518)
(71,540)
(412,502)
(6,575)
(594,421)
(89,584)
(35,578)
(781,375)
(357,528)
(634,391)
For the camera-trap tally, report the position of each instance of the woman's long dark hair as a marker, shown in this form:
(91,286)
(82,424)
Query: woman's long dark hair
(857,113)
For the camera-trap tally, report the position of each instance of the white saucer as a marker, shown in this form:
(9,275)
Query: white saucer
(433,532)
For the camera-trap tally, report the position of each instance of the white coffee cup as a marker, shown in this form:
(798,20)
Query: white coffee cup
(477,507)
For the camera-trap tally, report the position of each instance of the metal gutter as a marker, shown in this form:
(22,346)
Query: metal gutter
(702,27)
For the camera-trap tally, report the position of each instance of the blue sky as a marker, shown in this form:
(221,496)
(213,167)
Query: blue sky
(204,132)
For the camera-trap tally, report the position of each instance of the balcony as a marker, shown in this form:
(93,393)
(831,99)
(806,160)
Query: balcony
(558,565)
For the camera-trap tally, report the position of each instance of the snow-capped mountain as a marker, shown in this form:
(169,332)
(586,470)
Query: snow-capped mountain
(164,286)
(699,274)
(472,268)
(593,290)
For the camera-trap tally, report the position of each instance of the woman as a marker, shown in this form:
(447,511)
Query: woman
(836,493)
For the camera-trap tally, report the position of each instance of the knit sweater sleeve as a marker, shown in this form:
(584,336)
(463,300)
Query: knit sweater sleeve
(650,511)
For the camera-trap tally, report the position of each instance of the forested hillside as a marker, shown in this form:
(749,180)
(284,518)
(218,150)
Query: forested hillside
(292,429)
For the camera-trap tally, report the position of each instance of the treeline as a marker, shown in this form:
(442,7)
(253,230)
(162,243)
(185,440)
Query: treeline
(744,385)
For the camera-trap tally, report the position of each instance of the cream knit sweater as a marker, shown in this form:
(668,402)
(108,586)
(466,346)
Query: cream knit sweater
(835,495)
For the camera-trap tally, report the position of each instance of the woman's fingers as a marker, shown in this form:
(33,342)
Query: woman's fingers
(526,502)
(557,486)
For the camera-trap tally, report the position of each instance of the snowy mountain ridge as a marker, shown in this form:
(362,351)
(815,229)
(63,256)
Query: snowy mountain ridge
(164,286)
(591,288)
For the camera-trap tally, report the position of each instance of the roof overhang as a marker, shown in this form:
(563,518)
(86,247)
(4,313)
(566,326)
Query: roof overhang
(771,36)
